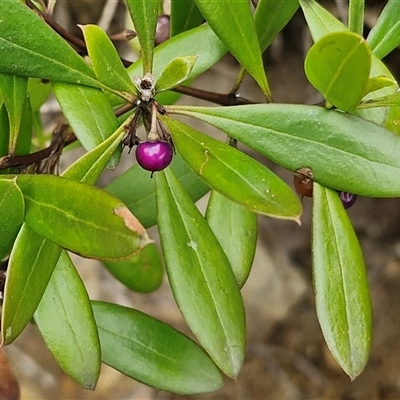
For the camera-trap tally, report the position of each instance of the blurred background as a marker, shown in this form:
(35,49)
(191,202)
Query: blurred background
(286,354)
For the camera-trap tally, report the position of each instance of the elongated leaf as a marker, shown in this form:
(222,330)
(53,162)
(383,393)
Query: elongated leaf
(141,273)
(144,16)
(200,276)
(89,167)
(385,101)
(356,16)
(338,65)
(378,83)
(165,359)
(185,15)
(270,18)
(385,34)
(345,152)
(105,60)
(235,227)
(234,174)
(27,278)
(340,281)
(5,129)
(80,218)
(177,71)
(233,24)
(13,89)
(66,322)
(12,214)
(24,137)
(135,188)
(201,42)
(30,48)
(39,92)
(89,113)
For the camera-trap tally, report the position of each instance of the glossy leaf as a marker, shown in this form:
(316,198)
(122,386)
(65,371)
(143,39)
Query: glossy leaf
(141,273)
(13,89)
(80,218)
(185,15)
(89,167)
(201,42)
(200,276)
(152,352)
(66,322)
(30,48)
(340,281)
(24,136)
(385,34)
(344,151)
(144,15)
(176,72)
(12,209)
(233,24)
(39,92)
(137,190)
(338,65)
(105,60)
(270,17)
(234,174)
(27,278)
(320,23)
(89,113)
(235,227)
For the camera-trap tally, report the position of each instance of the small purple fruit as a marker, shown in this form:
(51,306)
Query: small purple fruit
(348,199)
(154,156)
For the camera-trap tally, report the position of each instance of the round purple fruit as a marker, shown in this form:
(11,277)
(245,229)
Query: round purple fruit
(348,199)
(154,156)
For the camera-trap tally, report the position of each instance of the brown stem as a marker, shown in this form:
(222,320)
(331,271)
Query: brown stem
(229,99)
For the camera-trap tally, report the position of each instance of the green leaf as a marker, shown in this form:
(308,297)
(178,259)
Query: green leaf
(30,266)
(270,17)
(232,21)
(4,129)
(235,227)
(385,101)
(89,113)
(338,65)
(24,137)
(185,15)
(13,89)
(12,209)
(144,15)
(39,92)
(379,82)
(234,174)
(341,287)
(80,218)
(356,16)
(30,48)
(66,322)
(385,34)
(201,42)
(200,276)
(88,168)
(105,60)
(176,72)
(344,151)
(152,352)
(319,21)
(135,188)
(141,273)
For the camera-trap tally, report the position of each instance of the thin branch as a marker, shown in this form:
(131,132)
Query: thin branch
(229,99)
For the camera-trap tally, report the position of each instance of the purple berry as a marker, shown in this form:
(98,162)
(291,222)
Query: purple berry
(154,156)
(348,199)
